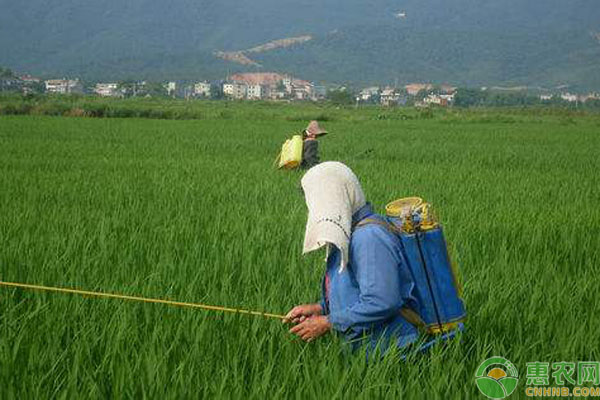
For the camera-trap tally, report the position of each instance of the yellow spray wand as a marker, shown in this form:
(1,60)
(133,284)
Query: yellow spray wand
(140,299)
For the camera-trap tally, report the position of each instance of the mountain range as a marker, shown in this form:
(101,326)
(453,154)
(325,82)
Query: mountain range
(545,43)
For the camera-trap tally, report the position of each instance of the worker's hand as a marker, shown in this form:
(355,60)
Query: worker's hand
(300,313)
(312,327)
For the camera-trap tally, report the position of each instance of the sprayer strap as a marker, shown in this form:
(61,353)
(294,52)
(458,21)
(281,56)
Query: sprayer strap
(277,160)
(412,317)
(377,221)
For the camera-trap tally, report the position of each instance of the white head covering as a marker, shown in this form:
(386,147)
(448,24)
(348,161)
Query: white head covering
(333,194)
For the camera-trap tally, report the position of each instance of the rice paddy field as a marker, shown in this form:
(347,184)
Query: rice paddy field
(193,210)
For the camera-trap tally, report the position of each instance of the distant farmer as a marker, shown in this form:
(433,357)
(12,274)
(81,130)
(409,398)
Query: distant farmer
(310,148)
(366,280)
(302,150)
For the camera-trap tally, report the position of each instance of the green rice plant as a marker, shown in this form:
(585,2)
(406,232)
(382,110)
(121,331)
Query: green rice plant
(193,210)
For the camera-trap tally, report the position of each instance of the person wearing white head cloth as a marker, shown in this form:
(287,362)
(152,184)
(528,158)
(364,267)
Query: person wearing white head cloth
(366,280)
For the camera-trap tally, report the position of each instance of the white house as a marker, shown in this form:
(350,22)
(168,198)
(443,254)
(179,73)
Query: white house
(368,93)
(202,89)
(275,94)
(107,89)
(287,83)
(569,97)
(63,86)
(254,92)
(171,88)
(300,95)
(235,90)
(439,99)
(302,90)
(389,97)
(228,89)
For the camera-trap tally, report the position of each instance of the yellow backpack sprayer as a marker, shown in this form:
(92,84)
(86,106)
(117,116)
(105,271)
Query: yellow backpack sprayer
(290,156)
(292,152)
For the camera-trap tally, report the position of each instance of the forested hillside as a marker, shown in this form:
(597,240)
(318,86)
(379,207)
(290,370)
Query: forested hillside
(535,42)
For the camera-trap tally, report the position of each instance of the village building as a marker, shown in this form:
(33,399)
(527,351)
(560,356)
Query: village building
(228,89)
(187,91)
(571,98)
(255,92)
(302,90)
(171,88)
(301,94)
(277,94)
(368,94)
(261,85)
(235,90)
(414,88)
(10,84)
(447,89)
(389,97)
(107,89)
(271,85)
(133,89)
(29,80)
(63,86)
(442,100)
(202,89)
(433,99)
(589,96)
(30,84)
(257,78)
(287,84)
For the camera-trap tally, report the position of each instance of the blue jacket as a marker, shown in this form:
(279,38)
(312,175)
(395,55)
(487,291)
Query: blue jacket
(363,300)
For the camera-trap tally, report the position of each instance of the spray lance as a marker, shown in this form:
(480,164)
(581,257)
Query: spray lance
(87,293)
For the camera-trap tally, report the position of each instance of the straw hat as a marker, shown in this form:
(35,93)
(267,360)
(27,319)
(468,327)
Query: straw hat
(313,129)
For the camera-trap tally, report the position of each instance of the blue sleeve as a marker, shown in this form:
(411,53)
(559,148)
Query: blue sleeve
(378,269)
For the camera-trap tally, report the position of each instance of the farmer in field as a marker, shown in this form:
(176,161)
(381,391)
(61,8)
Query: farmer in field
(310,148)
(366,281)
